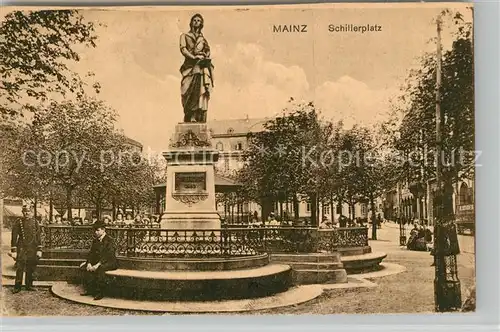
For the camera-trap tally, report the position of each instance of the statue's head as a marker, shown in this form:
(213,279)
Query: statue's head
(196,22)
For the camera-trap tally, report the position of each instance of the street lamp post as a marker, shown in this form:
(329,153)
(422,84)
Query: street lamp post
(447,293)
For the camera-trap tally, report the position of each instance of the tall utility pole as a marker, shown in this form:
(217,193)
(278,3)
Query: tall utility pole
(447,293)
(439,118)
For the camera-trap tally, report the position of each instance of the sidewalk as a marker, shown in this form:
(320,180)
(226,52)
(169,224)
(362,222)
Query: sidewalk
(390,232)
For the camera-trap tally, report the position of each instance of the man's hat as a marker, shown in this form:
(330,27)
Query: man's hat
(27,208)
(99,224)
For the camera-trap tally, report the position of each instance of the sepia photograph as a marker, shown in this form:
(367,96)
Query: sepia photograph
(259,160)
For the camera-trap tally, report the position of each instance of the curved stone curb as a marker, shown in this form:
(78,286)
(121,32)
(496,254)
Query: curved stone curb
(353,282)
(388,269)
(41,284)
(293,296)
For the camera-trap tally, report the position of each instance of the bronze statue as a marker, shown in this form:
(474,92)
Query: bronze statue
(197,69)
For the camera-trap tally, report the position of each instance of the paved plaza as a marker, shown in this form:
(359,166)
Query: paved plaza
(409,288)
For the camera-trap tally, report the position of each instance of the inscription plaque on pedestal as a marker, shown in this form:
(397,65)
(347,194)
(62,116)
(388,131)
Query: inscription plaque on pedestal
(190,182)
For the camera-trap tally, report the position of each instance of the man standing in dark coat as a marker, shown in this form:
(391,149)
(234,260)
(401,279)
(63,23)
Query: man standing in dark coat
(101,258)
(26,248)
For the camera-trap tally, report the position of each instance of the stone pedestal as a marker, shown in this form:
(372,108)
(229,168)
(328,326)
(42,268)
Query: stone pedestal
(190,191)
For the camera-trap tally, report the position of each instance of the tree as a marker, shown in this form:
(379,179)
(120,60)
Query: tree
(36,48)
(417,130)
(328,173)
(18,179)
(457,104)
(67,140)
(378,171)
(282,159)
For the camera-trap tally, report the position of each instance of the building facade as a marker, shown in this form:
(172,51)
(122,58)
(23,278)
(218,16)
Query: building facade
(415,202)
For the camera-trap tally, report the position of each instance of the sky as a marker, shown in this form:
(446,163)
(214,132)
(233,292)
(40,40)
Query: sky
(351,76)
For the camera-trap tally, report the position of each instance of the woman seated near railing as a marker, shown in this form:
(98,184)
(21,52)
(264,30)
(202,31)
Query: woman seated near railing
(420,238)
(326,224)
(272,221)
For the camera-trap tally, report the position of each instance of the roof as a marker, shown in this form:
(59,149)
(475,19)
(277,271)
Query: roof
(17,211)
(237,126)
(13,211)
(133,142)
(222,181)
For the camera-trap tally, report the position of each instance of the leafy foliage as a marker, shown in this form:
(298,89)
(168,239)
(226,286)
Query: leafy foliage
(36,48)
(72,149)
(282,158)
(416,137)
(300,156)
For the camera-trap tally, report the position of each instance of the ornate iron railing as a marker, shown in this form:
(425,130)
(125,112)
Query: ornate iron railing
(67,237)
(348,237)
(225,242)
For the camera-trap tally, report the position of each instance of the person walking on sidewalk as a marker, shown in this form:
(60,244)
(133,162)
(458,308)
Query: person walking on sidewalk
(26,248)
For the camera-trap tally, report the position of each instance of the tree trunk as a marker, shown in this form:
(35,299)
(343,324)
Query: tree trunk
(232,212)
(113,207)
(332,212)
(51,206)
(319,214)
(374,218)
(238,212)
(36,207)
(98,207)
(267,206)
(69,207)
(351,211)
(296,207)
(314,211)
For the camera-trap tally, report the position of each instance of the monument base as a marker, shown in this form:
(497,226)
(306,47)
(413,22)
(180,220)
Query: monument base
(190,191)
(190,220)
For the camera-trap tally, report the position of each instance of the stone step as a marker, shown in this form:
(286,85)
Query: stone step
(65,254)
(363,263)
(306,258)
(304,276)
(315,266)
(61,261)
(200,275)
(56,272)
(351,251)
(200,285)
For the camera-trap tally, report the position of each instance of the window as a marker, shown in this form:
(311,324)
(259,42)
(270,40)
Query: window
(308,207)
(363,209)
(226,164)
(219,146)
(339,209)
(465,196)
(239,146)
(230,131)
(326,209)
